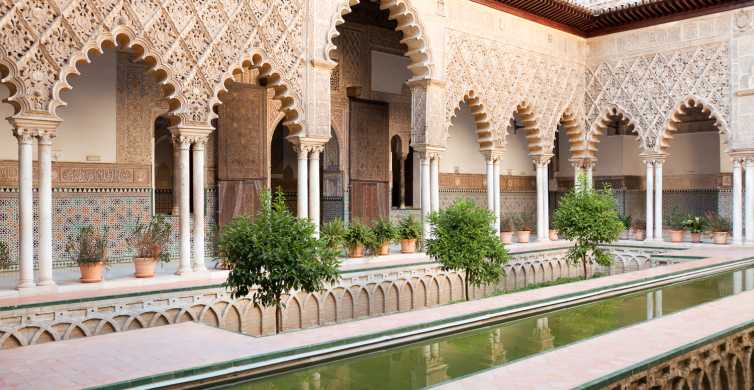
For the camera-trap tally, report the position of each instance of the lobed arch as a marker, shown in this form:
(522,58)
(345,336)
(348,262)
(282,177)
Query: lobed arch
(482,123)
(255,60)
(608,116)
(578,145)
(414,36)
(526,114)
(662,144)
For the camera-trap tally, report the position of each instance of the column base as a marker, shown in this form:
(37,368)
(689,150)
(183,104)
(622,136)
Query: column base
(184,271)
(43,283)
(201,268)
(26,285)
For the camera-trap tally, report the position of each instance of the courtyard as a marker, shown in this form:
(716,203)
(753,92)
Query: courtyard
(358,194)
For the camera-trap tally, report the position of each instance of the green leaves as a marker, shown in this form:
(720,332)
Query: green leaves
(275,254)
(465,240)
(589,218)
(359,234)
(385,231)
(409,228)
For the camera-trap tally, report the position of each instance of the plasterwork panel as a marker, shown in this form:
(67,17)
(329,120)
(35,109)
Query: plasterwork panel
(82,175)
(503,77)
(649,88)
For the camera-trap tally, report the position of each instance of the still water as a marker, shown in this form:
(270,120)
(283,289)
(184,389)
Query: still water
(433,361)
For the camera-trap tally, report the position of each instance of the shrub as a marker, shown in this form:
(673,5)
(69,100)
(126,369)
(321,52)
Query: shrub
(626,219)
(524,222)
(589,219)
(409,228)
(148,240)
(465,240)
(334,233)
(88,246)
(675,220)
(275,254)
(385,231)
(695,224)
(717,223)
(359,234)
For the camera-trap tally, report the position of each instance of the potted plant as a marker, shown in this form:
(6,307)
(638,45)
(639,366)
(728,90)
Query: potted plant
(674,223)
(385,232)
(553,234)
(333,233)
(719,227)
(409,231)
(626,219)
(358,236)
(507,227)
(639,227)
(148,240)
(523,227)
(696,226)
(89,249)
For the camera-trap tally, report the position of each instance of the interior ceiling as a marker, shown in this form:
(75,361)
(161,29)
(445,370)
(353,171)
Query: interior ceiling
(586,22)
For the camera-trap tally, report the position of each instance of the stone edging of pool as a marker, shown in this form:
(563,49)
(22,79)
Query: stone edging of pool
(257,365)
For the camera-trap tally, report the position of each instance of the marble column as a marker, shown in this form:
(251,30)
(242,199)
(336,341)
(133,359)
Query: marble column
(649,206)
(496,190)
(490,184)
(589,169)
(199,263)
(540,203)
(314,196)
(435,181)
(25,209)
(546,200)
(737,203)
(402,183)
(45,208)
(426,203)
(303,181)
(749,201)
(578,171)
(176,180)
(183,144)
(658,200)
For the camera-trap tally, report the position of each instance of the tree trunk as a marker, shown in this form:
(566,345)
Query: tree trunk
(278,319)
(466,286)
(583,261)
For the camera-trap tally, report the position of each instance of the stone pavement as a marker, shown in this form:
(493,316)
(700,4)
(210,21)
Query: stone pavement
(124,356)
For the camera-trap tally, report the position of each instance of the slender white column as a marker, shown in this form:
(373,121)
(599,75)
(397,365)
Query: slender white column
(314,198)
(540,203)
(650,199)
(749,201)
(303,181)
(45,209)
(176,179)
(496,190)
(546,200)
(425,194)
(737,203)
(434,168)
(183,144)
(577,173)
(199,258)
(658,200)
(490,184)
(589,176)
(25,205)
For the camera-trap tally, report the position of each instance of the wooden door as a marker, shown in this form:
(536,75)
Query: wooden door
(369,159)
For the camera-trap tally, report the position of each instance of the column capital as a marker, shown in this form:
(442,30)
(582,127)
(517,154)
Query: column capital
(183,142)
(428,152)
(652,158)
(741,155)
(493,156)
(541,160)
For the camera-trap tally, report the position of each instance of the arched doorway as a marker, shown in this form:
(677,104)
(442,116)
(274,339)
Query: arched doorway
(283,166)
(397,176)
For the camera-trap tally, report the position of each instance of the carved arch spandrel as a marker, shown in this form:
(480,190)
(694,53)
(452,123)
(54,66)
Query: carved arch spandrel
(485,136)
(607,116)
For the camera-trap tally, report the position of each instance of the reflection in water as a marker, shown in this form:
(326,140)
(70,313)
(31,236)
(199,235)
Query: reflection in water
(437,360)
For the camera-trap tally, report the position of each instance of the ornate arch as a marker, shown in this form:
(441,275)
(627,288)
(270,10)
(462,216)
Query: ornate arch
(662,144)
(408,24)
(603,121)
(578,145)
(484,133)
(526,113)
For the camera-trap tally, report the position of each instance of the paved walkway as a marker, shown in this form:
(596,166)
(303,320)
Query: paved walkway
(124,356)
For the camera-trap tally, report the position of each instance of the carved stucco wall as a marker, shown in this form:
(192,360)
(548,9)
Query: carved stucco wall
(195,44)
(502,77)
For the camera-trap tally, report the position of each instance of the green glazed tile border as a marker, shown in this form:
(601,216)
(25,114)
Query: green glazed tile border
(351,340)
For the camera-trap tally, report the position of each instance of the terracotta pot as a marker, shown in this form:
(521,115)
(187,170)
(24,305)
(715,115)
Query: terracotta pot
(144,267)
(696,237)
(553,235)
(639,234)
(720,238)
(408,246)
(506,237)
(384,249)
(356,251)
(91,272)
(523,236)
(676,236)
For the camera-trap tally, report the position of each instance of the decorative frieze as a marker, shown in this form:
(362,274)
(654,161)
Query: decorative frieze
(77,175)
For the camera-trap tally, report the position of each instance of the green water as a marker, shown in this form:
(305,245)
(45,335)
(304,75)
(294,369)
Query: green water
(433,361)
